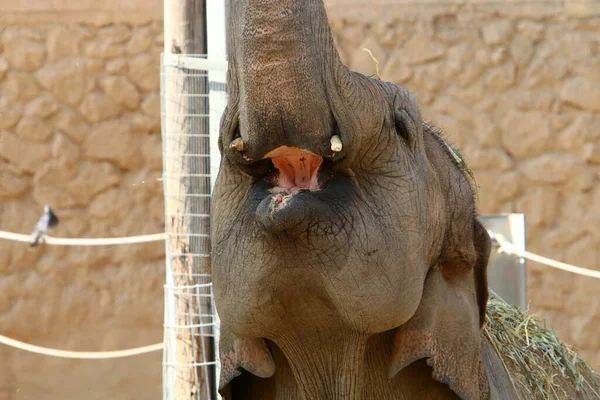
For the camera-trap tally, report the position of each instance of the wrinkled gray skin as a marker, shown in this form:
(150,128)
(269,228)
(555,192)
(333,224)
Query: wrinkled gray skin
(373,287)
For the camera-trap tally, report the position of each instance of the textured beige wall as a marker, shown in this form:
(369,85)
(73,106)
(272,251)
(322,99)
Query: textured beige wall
(81,131)
(517,87)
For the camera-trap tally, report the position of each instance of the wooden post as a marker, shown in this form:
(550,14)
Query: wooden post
(187,202)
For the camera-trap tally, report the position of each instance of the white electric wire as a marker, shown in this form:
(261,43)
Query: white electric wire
(87,355)
(55,241)
(508,248)
(82,242)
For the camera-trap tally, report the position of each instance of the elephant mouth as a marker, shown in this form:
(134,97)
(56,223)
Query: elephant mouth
(295,191)
(296,170)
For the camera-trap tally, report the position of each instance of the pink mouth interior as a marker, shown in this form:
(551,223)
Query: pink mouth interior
(297,169)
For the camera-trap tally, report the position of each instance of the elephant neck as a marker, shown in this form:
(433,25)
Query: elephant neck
(351,366)
(327,366)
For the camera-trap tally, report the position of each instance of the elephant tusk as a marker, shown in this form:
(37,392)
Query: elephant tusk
(336,144)
(237,145)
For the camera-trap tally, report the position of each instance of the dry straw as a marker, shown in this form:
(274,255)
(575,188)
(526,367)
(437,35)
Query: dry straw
(537,360)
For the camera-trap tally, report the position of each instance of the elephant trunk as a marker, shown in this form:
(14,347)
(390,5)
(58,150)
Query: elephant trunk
(283,66)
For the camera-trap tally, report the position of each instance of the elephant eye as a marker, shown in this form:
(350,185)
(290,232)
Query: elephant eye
(405,126)
(400,127)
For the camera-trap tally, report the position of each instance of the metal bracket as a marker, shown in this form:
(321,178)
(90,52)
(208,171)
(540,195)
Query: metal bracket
(507,274)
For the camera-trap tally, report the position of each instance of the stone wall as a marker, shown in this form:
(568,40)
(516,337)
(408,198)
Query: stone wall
(80,122)
(517,88)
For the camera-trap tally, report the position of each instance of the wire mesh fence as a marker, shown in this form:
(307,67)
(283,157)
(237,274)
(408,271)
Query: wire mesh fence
(190,112)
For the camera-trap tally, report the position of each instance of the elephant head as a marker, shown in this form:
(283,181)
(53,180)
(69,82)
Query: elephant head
(346,254)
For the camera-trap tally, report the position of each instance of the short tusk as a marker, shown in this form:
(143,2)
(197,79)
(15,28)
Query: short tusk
(237,145)
(336,144)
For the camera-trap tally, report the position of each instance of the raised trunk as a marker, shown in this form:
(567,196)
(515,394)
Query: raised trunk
(283,65)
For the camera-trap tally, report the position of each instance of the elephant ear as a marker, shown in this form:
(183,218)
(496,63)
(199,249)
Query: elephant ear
(446,328)
(251,354)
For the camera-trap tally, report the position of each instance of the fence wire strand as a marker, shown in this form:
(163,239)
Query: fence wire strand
(56,241)
(504,246)
(85,355)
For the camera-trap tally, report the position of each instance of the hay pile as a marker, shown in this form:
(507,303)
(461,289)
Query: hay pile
(535,358)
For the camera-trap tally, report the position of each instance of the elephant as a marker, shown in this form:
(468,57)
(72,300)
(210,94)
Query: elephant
(347,258)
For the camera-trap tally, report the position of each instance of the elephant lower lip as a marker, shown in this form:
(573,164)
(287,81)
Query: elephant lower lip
(295,209)
(300,211)
(281,198)
(286,211)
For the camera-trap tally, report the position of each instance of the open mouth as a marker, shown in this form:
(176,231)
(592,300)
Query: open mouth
(296,171)
(297,187)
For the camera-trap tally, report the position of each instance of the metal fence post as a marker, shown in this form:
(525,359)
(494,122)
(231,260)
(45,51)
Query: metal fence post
(507,274)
